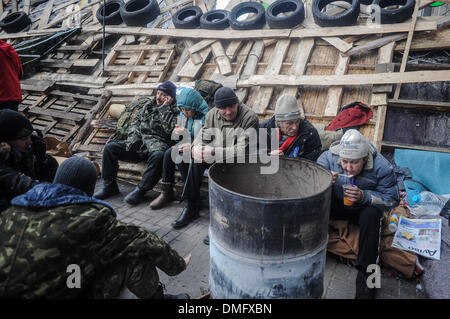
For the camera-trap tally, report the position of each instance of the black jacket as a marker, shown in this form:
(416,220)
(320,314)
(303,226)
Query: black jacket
(307,140)
(20,172)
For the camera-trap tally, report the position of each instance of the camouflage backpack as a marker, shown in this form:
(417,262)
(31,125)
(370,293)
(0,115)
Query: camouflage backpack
(127,117)
(207,89)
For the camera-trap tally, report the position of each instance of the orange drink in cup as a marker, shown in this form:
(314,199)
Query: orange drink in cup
(347,201)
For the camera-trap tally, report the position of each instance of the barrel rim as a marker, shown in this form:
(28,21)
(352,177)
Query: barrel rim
(212,182)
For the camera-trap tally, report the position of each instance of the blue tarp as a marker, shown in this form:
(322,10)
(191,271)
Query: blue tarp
(430,168)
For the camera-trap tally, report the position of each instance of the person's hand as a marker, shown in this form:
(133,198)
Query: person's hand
(178,129)
(38,147)
(167,100)
(184,147)
(353,193)
(276,152)
(200,153)
(335,177)
(187,259)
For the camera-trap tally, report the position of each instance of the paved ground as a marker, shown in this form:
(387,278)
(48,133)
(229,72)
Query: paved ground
(339,277)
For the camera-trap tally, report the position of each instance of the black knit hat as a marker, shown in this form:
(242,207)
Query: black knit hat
(225,97)
(77,172)
(13,125)
(169,88)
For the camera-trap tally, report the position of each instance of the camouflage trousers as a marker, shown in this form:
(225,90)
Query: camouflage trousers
(138,277)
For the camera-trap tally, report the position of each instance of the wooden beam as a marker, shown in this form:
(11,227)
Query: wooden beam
(191,70)
(339,44)
(420,105)
(200,45)
(347,79)
(273,68)
(416,147)
(385,55)
(365,48)
(65,16)
(408,45)
(221,58)
(134,68)
(335,92)
(145,47)
(46,14)
(26,6)
(56,114)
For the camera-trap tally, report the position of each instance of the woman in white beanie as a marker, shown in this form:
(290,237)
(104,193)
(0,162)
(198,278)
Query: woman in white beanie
(364,186)
(296,136)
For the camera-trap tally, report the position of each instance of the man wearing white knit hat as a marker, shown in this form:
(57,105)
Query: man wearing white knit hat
(364,186)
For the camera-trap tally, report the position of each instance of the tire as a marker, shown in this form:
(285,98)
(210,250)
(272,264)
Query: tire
(348,17)
(112,13)
(366,2)
(187,18)
(138,13)
(15,22)
(215,20)
(247,7)
(396,15)
(296,14)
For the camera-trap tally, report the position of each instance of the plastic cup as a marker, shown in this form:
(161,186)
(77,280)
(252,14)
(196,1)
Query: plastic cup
(347,201)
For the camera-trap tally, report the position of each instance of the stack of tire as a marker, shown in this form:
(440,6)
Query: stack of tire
(350,15)
(135,13)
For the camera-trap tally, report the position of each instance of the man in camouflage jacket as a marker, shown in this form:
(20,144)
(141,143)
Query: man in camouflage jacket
(143,134)
(23,159)
(58,242)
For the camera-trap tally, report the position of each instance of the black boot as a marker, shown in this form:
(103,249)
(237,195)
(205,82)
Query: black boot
(159,294)
(206,240)
(110,188)
(135,197)
(190,213)
(362,291)
(165,197)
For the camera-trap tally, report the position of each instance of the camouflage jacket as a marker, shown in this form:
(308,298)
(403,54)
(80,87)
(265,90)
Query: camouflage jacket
(20,172)
(53,226)
(145,127)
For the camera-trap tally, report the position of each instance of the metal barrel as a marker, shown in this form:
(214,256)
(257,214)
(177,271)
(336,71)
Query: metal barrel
(268,232)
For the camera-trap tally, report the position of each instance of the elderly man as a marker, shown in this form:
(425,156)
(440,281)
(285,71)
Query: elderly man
(145,137)
(364,186)
(72,246)
(229,114)
(23,159)
(296,136)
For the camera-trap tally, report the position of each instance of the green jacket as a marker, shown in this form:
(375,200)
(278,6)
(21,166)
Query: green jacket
(146,127)
(53,226)
(245,119)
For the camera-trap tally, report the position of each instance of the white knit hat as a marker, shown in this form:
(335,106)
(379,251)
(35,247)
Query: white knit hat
(287,108)
(353,145)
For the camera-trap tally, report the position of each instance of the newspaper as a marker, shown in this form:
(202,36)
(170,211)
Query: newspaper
(421,236)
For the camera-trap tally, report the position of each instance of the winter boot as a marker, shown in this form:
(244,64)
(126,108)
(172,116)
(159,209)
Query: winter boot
(136,196)
(190,213)
(165,197)
(362,290)
(110,188)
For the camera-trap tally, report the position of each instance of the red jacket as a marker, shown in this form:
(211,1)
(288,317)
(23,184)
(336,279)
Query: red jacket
(11,71)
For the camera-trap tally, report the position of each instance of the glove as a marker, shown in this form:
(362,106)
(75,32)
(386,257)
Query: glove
(38,147)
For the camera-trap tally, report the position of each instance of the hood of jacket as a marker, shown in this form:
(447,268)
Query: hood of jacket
(51,195)
(191,99)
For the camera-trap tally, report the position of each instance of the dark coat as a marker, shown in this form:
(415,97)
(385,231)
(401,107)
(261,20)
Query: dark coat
(307,140)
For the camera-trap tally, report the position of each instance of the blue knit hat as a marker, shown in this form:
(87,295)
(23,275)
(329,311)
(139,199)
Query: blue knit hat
(169,88)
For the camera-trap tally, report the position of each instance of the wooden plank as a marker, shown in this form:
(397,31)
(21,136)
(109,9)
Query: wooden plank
(436,40)
(56,114)
(347,79)
(335,92)
(145,47)
(200,45)
(74,95)
(273,68)
(73,48)
(365,48)
(36,85)
(14,6)
(339,44)
(250,68)
(385,55)
(191,70)
(416,147)
(67,15)
(300,64)
(421,105)
(134,68)
(221,58)
(46,14)
(26,6)
(408,45)
(76,79)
